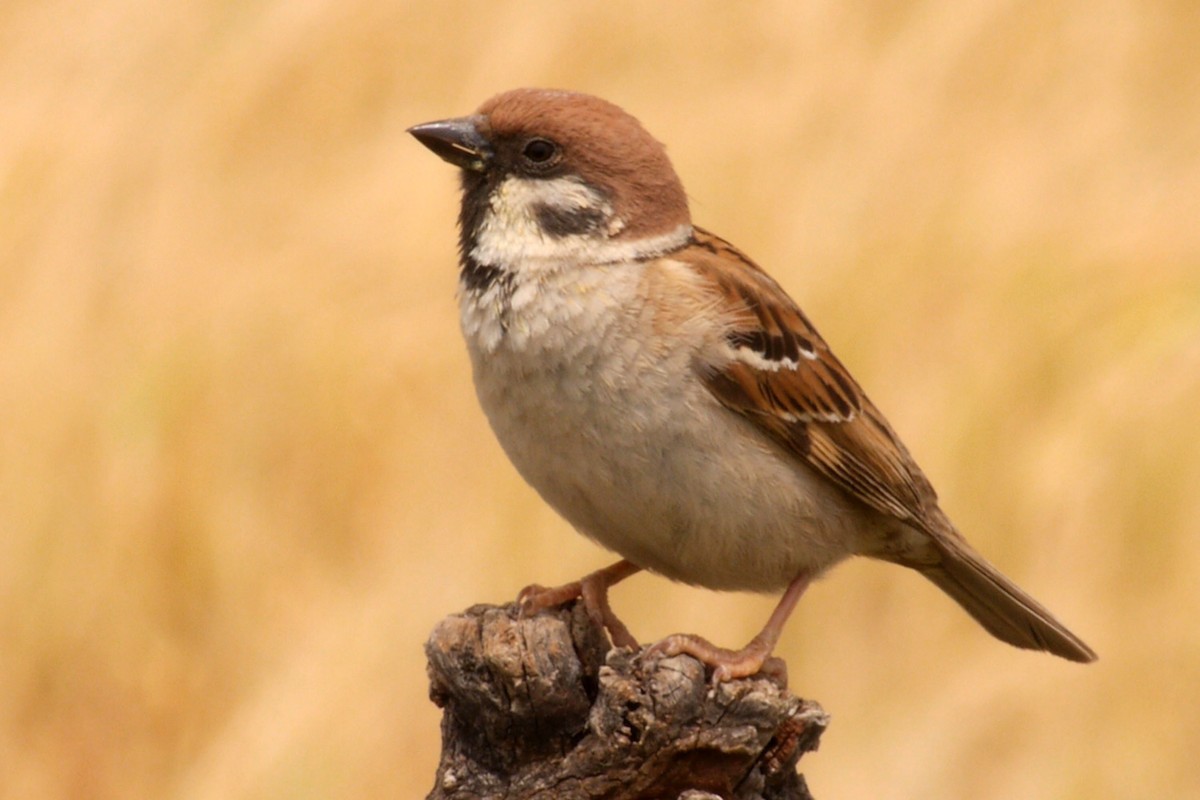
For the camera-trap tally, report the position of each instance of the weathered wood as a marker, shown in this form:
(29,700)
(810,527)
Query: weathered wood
(540,707)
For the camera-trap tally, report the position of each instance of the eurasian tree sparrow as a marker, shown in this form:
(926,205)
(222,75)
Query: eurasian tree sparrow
(666,396)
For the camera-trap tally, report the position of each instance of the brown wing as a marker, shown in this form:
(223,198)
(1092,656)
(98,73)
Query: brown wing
(780,374)
(784,378)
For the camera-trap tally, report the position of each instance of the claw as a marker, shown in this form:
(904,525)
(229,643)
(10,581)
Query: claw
(535,598)
(752,659)
(593,590)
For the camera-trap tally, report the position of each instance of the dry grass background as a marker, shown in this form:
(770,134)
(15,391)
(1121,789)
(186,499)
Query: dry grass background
(242,472)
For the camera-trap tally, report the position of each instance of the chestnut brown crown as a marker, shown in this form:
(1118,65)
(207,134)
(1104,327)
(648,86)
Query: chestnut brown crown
(544,134)
(598,141)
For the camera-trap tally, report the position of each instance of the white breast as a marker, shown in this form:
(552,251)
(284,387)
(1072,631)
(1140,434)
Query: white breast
(615,430)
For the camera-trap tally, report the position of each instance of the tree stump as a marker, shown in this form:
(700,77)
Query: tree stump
(542,707)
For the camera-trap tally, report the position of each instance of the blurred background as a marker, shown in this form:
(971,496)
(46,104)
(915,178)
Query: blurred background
(242,470)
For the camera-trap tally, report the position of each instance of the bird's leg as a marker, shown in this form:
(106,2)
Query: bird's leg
(593,590)
(751,659)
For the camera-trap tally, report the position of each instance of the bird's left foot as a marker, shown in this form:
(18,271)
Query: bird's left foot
(727,665)
(593,590)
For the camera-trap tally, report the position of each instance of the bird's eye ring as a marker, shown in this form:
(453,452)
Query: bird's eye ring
(540,151)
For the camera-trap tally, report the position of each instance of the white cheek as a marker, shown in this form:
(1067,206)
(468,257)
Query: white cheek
(548,282)
(510,235)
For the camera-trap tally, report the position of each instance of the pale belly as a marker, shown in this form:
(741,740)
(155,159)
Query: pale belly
(636,454)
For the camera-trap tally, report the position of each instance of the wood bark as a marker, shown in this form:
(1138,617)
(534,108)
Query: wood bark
(543,707)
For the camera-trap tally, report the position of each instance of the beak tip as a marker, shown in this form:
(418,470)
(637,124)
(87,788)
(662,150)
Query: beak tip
(457,141)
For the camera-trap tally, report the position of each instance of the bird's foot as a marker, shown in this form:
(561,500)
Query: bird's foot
(593,590)
(535,598)
(727,665)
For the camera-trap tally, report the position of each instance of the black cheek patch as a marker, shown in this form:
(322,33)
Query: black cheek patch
(559,222)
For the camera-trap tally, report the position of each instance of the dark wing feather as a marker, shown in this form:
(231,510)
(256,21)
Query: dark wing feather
(778,373)
(781,376)
(784,378)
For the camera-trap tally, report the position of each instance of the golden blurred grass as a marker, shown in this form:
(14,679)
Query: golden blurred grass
(241,468)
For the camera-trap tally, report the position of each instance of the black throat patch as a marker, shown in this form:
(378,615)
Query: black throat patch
(476,277)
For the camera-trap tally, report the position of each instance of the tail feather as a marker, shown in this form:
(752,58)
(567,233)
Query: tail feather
(999,605)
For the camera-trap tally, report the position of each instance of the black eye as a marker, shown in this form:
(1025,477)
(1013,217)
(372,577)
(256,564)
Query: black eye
(540,151)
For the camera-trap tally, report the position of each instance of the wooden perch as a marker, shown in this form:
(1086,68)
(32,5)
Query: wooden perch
(542,708)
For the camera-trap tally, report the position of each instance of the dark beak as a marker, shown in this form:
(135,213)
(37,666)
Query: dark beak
(457,141)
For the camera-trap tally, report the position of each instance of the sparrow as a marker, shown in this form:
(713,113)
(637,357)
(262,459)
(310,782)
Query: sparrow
(666,396)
